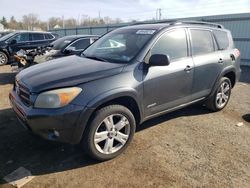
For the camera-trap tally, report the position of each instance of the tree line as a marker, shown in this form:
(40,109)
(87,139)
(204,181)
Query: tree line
(32,22)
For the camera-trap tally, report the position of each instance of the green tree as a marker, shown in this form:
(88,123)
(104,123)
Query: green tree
(4,22)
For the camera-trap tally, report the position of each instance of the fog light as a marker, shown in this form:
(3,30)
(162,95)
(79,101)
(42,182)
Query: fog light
(53,134)
(56,133)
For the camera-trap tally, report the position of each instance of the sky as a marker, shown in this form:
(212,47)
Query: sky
(126,10)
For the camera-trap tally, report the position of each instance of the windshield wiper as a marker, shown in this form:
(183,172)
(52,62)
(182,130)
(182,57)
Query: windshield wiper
(95,58)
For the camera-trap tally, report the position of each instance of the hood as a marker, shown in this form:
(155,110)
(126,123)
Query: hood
(65,72)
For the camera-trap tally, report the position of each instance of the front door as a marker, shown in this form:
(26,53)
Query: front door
(166,87)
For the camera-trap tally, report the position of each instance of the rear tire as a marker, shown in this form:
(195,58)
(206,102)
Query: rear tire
(3,58)
(221,96)
(109,133)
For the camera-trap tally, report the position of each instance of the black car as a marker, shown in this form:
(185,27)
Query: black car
(70,45)
(15,41)
(4,33)
(126,77)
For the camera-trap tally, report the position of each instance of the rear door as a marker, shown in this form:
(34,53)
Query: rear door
(166,87)
(38,39)
(208,62)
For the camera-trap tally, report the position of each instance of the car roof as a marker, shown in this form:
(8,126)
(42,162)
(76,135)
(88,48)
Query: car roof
(153,26)
(23,31)
(79,36)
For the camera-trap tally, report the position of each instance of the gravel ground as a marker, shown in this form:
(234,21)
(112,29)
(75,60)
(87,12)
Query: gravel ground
(191,147)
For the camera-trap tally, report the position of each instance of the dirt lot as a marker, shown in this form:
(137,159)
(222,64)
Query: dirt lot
(188,148)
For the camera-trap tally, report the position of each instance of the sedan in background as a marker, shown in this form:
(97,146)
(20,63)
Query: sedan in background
(70,45)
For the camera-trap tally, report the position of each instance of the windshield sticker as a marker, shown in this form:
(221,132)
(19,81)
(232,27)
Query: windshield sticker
(145,32)
(67,41)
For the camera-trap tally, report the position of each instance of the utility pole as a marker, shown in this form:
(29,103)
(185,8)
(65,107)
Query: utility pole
(99,16)
(63,23)
(159,13)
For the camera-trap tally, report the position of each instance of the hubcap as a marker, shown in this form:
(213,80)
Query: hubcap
(112,134)
(223,94)
(2,58)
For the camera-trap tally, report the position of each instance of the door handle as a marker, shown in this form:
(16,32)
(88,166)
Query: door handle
(220,61)
(188,68)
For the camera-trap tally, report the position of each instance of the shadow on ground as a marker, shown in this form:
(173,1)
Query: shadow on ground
(246,117)
(7,78)
(19,148)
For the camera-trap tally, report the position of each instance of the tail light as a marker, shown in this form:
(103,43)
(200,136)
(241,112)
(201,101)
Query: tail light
(237,53)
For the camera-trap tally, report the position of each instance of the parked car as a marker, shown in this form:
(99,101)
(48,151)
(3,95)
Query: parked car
(4,33)
(97,99)
(70,45)
(25,40)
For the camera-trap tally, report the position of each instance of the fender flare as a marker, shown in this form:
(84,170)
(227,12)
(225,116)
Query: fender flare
(225,71)
(98,101)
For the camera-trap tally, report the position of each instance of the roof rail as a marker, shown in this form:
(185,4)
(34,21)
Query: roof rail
(177,22)
(198,23)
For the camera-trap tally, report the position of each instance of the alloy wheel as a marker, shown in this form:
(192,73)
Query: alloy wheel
(112,134)
(223,94)
(3,58)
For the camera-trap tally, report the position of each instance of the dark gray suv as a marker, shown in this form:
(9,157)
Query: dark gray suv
(126,77)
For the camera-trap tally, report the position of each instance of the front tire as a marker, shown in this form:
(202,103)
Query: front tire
(3,58)
(109,133)
(221,97)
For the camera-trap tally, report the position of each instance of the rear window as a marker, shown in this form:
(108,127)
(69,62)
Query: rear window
(202,41)
(222,39)
(37,36)
(49,36)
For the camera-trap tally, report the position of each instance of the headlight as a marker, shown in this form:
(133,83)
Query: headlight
(57,98)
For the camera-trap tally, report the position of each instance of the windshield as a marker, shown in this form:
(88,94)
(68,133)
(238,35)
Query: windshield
(119,46)
(5,37)
(61,43)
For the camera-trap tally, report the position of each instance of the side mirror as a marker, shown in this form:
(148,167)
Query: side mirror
(159,60)
(69,50)
(13,42)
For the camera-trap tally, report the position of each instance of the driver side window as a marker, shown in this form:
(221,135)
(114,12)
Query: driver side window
(173,44)
(23,37)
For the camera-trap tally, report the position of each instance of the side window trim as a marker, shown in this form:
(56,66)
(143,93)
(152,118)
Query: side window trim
(200,29)
(188,43)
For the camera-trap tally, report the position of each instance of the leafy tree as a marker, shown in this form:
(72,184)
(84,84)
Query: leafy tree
(4,22)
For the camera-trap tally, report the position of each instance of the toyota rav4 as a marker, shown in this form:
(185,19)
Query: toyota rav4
(126,77)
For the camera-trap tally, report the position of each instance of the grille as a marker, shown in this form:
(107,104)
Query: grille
(23,93)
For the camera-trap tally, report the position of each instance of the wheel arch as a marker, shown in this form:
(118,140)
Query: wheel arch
(230,73)
(125,97)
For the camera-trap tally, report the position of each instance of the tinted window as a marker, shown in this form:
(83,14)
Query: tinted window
(49,36)
(62,42)
(222,39)
(80,44)
(202,42)
(23,37)
(37,36)
(173,44)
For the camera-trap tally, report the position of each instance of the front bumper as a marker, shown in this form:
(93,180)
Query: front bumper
(63,124)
